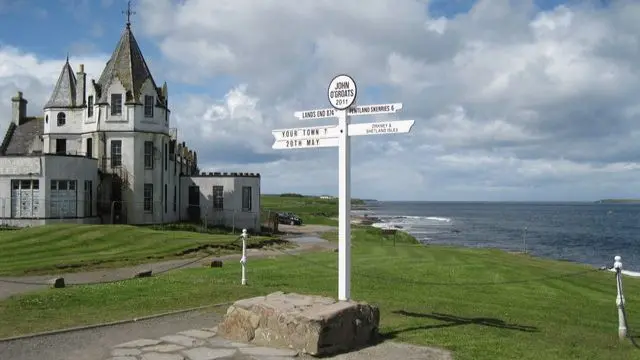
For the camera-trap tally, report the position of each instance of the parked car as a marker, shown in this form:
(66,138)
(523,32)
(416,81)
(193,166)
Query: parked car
(289,218)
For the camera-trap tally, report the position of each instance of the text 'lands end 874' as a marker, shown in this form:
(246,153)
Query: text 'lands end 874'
(356,110)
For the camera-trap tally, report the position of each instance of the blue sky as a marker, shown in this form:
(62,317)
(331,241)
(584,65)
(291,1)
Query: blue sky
(513,100)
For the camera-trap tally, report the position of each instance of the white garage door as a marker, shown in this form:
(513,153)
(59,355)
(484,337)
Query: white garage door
(25,198)
(63,197)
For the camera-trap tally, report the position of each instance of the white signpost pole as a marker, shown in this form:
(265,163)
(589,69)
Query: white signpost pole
(344,208)
(342,95)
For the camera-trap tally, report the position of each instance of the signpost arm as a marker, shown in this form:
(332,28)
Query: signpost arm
(344,207)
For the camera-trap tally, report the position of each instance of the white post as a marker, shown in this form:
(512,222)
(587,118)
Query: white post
(344,207)
(243,260)
(622,326)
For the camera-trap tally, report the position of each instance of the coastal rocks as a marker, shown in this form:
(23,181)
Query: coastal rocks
(314,325)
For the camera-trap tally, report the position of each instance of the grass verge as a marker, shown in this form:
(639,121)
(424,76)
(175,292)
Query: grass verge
(482,304)
(69,248)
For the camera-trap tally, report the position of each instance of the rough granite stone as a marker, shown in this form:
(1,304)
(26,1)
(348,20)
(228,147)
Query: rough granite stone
(182,340)
(198,334)
(205,353)
(138,343)
(163,348)
(161,356)
(314,325)
(220,342)
(123,358)
(125,352)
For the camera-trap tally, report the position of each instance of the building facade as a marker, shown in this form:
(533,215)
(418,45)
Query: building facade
(112,142)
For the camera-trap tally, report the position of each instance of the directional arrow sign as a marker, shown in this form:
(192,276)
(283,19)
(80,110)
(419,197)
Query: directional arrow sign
(306,132)
(380,128)
(354,111)
(306,143)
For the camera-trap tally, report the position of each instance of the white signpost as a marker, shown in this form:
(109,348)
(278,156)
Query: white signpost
(342,94)
(356,110)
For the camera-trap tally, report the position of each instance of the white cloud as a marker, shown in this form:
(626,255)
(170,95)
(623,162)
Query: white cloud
(509,103)
(35,77)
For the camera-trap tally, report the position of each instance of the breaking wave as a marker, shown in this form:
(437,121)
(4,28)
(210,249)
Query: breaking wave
(422,227)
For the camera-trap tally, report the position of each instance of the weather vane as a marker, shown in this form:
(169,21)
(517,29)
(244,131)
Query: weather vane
(128,12)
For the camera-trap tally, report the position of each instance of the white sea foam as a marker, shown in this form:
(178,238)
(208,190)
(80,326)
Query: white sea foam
(422,228)
(628,273)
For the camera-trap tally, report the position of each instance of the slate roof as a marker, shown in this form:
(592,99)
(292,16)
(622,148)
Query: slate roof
(64,94)
(19,138)
(127,65)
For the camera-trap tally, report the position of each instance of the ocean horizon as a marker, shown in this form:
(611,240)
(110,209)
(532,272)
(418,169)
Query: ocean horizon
(578,231)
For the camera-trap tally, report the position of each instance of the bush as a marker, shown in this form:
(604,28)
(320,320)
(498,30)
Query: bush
(292,195)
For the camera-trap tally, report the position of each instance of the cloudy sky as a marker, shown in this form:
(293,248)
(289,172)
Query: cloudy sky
(513,99)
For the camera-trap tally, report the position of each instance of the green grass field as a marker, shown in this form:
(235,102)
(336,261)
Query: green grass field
(311,209)
(482,304)
(55,248)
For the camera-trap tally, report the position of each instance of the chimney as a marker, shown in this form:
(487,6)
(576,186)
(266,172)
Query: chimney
(81,86)
(18,108)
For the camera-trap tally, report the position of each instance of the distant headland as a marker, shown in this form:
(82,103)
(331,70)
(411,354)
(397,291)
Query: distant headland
(618,201)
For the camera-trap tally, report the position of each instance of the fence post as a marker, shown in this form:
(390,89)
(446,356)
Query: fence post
(622,324)
(243,259)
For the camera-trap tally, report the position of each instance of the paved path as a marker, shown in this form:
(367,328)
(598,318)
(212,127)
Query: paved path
(305,237)
(205,344)
(188,336)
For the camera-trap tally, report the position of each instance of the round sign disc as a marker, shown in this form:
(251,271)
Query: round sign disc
(342,92)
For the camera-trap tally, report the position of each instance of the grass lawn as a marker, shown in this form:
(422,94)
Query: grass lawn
(312,210)
(54,248)
(482,304)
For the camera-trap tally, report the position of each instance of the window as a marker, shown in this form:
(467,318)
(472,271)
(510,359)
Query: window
(148,105)
(25,198)
(148,198)
(116,153)
(89,147)
(63,199)
(246,198)
(61,146)
(62,119)
(46,119)
(218,197)
(116,104)
(165,198)
(148,154)
(90,106)
(88,198)
(166,157)
(175,198)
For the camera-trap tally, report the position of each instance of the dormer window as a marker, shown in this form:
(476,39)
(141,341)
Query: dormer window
(62,119)
(90,106)
(148,105)
(116,104)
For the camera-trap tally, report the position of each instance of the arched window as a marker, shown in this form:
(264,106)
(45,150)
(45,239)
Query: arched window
(46,119)
(62,118)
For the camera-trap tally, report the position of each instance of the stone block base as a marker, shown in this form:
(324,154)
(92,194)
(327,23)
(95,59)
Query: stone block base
(310,324)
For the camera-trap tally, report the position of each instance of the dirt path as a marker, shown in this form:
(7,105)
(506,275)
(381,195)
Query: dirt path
(305,237)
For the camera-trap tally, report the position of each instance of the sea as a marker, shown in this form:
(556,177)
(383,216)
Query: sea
(589,233)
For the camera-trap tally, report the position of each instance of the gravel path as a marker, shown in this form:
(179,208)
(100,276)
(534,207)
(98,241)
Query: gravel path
(305,237)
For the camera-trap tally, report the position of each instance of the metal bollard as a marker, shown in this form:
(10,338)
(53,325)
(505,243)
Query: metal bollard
(243,260)
(622,325)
